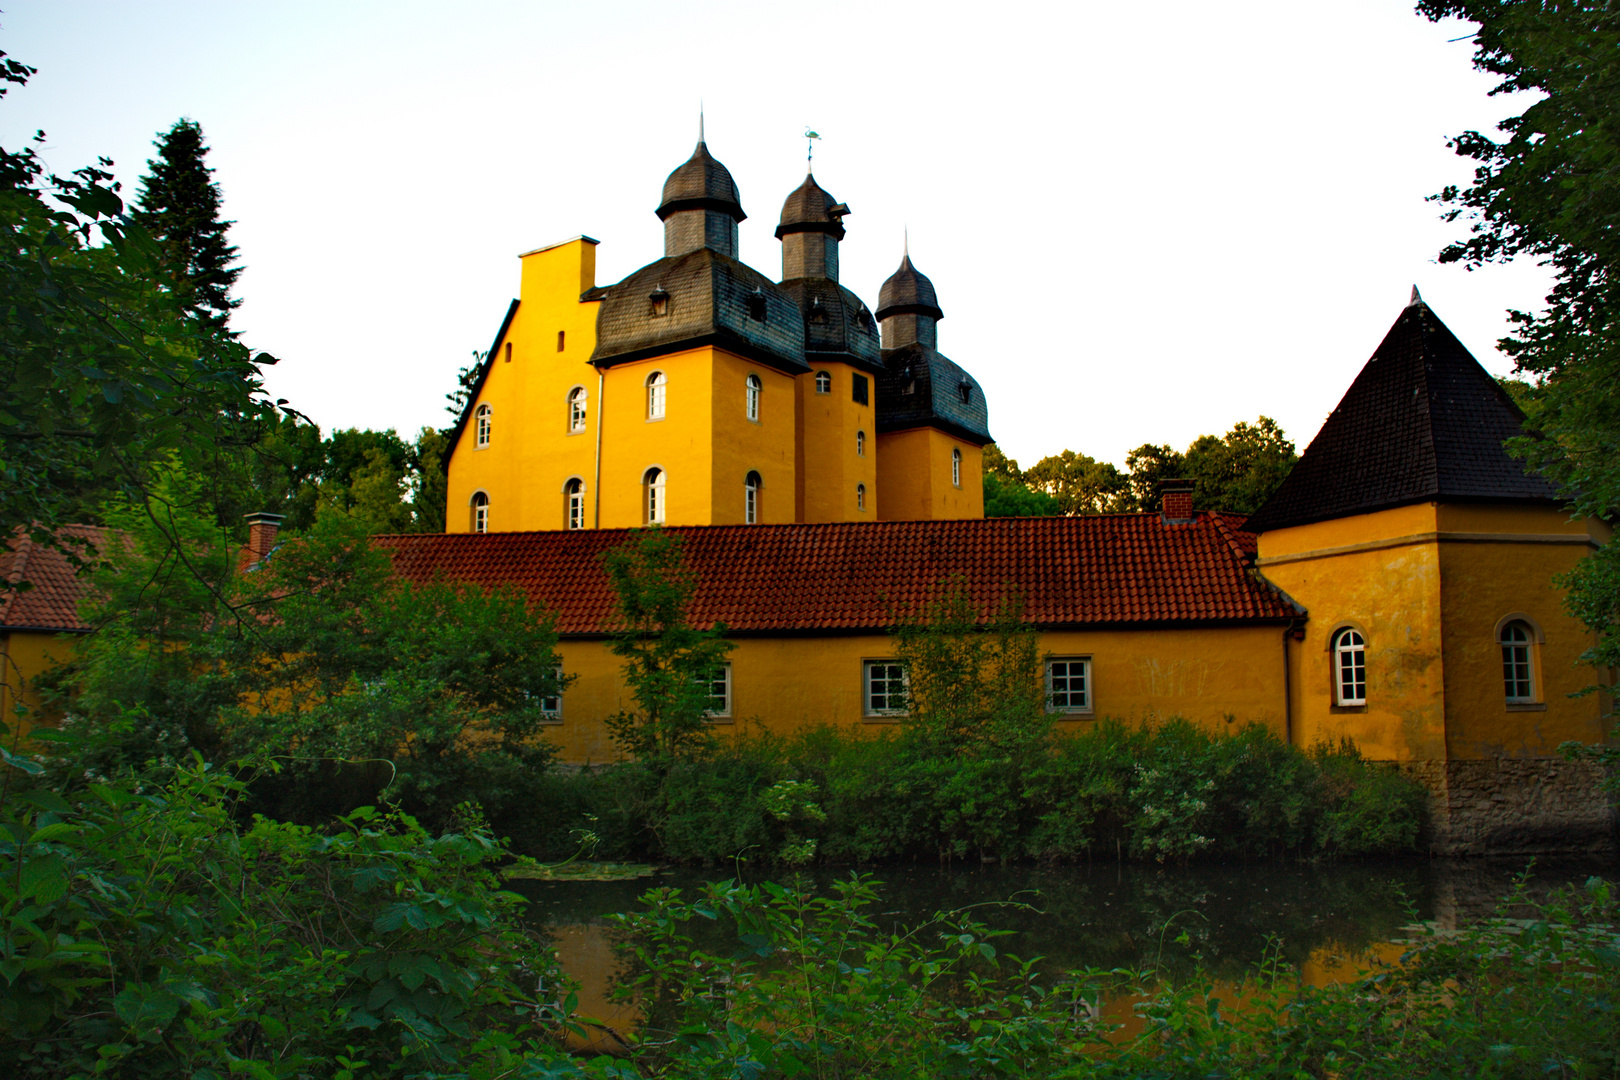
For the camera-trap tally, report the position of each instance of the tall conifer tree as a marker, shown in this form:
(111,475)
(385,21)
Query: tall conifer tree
(179,204)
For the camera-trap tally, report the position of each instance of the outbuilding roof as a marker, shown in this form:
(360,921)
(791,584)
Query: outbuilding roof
(1121,570)
(51,602)
(1422,422)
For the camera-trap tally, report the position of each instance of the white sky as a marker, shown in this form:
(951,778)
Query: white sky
(1145,221)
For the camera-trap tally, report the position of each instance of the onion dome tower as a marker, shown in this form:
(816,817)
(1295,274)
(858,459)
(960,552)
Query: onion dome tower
(701,206)
(698,293)
(920,387)
(837,325)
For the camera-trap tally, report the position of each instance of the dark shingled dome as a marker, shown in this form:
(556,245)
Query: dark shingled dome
(908,292)
(1423,422)
(806,211)
(701,184)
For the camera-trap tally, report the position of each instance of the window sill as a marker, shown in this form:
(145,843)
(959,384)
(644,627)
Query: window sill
(551,721)
(1073,714)
(655,419)
(719,720)
(881,719)
(578,431)
(1347,708)
(1527,706)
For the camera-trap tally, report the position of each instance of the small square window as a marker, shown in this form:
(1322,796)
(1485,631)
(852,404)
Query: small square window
(1068,685)
(885,688)
(551,707)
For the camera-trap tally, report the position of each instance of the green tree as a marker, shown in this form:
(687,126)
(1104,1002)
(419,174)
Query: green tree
(669,664)
(104,374)
(1548,190)
(1150,466)
(179,205)
(1238,473)
(1005,492)
(1077,483)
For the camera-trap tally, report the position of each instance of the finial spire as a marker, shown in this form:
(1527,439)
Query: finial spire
(1416,298)
(810,138)
(700,122)
(905,242)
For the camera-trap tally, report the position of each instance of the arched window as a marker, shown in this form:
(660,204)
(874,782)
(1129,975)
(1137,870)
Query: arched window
(652,483)
(1349,668)
(574,503)
(823,383)
(480,512)
(860,497)
(860,444)
(751,486)
(956,467)
(655,395)
(576,409)
(1518,662)
(751,396)
(481,425)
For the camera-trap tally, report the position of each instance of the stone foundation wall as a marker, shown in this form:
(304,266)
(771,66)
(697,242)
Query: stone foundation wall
(1516,806)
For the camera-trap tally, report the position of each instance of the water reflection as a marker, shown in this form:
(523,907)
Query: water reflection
(1111,916)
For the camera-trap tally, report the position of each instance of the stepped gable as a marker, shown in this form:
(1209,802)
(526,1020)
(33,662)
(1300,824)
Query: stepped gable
(52,603)
(1423,422)
(710,299)
(1111,570)
(920,386)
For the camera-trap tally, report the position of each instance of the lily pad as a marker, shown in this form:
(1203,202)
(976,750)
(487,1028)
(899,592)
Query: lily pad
(578,871)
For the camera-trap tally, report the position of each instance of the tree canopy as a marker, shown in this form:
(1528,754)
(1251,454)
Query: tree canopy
(179,204)
(1548,190)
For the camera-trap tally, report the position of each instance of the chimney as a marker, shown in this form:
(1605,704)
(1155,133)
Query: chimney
(1176,501)
(262,529)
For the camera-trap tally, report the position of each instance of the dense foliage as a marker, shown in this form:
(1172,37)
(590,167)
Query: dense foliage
(1235,472)
(1548,190)
(179,204)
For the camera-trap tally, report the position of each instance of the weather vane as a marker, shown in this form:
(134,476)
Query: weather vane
(810,138)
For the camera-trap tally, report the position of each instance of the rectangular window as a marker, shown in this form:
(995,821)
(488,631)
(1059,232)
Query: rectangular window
(885,689)
(718,688)
(1516,673)
(1068,685)
(858,389)
(551,706)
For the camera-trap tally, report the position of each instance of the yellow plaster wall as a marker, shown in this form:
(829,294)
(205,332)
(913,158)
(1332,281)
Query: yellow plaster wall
(768,445)
(680,444)
(1380,572)
(829,466)
(1496,562)
(24,656)
(531,452)
(1219,678)
(914,471)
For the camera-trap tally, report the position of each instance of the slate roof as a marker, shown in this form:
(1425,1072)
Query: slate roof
(934,398)
(837,325)
(701,183)
(53,601)
(806,211)
(1117,570)
(908,292)
(1423,422)
(709,297)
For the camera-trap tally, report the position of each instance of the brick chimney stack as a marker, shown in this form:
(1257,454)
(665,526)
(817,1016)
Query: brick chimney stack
(262,530)
(1176,501)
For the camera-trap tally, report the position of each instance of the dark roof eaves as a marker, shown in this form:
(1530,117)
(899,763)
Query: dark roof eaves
(732,344)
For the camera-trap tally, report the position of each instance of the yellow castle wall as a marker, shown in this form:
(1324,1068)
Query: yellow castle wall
(24,656)
(914,472)
(830,467)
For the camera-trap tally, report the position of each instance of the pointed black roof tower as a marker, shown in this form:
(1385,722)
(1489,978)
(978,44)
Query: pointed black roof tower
(700,207)
(837,325)
(1423,422)
(920,386)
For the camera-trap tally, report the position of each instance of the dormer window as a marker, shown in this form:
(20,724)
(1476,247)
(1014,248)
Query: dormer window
(660,301)
(756,305)
(965,390)
(818,313)
(865,318)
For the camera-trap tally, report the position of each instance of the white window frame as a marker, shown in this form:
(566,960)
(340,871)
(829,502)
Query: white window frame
(481,425)
(1519,655)
(657,383)
(884,672)
(860,444)
(574,503)
(722,679)
(823,382)
(752,483)
(480,511)
(1066,692)
(551,708)
(753,390)
(956,467)
(578,410)
(860,497)
(1348,648)
(655,495)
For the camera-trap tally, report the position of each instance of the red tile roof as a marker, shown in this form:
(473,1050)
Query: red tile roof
(1110,570)
(53,601)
